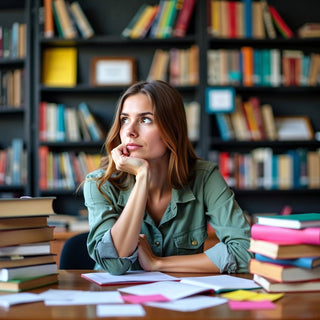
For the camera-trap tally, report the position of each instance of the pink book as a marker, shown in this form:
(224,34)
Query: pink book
(286,236)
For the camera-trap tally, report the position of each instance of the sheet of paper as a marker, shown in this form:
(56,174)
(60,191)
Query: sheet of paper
(220,283)
(54,297)
(105,278)
(189,304)
(251,305)
(124,310)
(144,298)
(170,289)
(8,300)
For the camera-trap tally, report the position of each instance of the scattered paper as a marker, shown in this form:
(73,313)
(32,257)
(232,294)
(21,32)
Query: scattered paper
(251,305)
(144,298)
(54,297)
(18,298)
(189,304)
(105,278)
(170,289)
(124,310)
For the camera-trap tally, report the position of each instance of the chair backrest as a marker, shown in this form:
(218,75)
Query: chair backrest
(74,254)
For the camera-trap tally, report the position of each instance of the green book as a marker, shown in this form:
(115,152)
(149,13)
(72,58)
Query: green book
(293,221)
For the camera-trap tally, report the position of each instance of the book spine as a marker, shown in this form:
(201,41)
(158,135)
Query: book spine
(81,20)
(127,30)
(48,19)
(280,24)
(305,262)
(184,18)
(286,235)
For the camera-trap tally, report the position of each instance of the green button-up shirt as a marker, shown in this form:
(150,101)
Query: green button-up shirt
(183,227)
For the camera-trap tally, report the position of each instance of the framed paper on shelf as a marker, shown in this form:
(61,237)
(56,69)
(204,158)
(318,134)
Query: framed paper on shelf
(112,71)
(220,100)
(294,128)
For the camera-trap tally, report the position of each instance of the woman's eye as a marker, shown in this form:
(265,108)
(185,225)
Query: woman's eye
(123,120)
(146,120)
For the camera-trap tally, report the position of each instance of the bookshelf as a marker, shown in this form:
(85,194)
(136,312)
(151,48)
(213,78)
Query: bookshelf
(109,19)
(15,98)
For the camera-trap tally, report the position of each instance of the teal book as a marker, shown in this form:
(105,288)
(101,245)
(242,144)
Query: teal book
(304,262)
(294,221)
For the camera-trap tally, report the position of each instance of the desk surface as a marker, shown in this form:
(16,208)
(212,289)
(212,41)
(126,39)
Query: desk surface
(291,306)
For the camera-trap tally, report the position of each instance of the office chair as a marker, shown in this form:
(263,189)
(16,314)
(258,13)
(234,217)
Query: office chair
(74,254)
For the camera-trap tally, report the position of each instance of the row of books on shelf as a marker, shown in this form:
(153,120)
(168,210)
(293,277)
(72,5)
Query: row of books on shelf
(26,261)
(252,120)
(57,122)
(249,66)
(67,20)
(180,67)
(13,41)
(287,252)
(246,19)
(65,170)
(12,88)
(13,164)
(263,169)
(168,18)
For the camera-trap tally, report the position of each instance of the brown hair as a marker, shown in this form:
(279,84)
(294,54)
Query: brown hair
(169,114)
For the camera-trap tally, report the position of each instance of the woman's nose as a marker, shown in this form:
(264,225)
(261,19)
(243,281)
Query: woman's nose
(131,130)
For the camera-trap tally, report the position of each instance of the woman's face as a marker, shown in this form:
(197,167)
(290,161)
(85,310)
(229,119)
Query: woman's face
(139,132)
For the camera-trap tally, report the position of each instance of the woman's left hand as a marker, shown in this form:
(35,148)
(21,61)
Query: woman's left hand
(145,255)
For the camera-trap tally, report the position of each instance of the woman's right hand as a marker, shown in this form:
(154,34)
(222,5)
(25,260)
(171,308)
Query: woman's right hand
(125,162)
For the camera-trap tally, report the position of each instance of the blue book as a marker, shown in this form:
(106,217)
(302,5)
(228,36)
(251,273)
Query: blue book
(61,131)
(305,262)
(17,150)
(247,18)
(223,127)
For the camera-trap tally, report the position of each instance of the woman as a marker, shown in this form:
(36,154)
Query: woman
(151,200)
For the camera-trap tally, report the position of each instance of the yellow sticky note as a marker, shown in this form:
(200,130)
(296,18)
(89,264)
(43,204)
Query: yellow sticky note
(244,295)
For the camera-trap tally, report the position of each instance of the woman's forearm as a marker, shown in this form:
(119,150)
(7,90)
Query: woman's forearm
(125,232)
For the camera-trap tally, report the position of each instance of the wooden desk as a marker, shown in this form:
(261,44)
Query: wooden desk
(291,306)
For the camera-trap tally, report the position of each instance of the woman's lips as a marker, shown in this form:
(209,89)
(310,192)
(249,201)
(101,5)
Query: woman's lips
(133,146)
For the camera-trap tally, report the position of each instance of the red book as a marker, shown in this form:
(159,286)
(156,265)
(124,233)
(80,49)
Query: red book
(42,121)
(280,24)
(184,18)
(232,28)
(286,236)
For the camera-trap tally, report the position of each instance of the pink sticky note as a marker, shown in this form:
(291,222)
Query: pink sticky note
(248,305)
(146,298)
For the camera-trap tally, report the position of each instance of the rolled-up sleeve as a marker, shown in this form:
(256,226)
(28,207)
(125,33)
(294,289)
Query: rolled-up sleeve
(232,229)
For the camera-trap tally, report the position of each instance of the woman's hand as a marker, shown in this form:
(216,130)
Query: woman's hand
(147,259)
(124,162)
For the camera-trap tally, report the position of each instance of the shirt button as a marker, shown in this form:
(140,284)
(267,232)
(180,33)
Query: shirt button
(157,243)
(194,242)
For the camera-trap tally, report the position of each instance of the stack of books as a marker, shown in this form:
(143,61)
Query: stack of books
(287,252)
(26,261)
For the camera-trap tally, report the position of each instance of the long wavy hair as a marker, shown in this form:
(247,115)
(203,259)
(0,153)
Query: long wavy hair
(170,117)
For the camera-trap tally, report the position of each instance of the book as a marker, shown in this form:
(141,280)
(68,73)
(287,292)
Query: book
(81,20)
(220,283)
(105,278)
(20,236)
(127,30)
(64,20)
(59,67)
(285,235)
(270,30)
(183,19)
(7,274)
(18,285)
(23,207)
(294,221)
(282,273)
(309,30)
(20,261)
(280,24)
(29,249)
(274,286)
(304,262)
(23,222)
(91,123)
(279,251)
(48,19)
